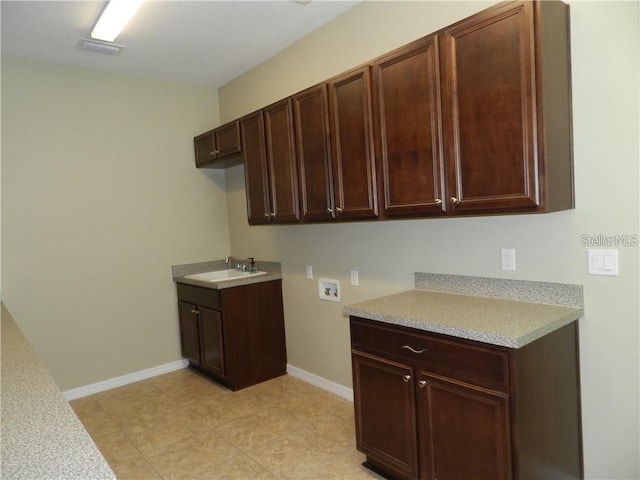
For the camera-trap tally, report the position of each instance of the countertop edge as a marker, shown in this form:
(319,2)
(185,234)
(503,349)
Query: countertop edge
(42,436)
(567,316)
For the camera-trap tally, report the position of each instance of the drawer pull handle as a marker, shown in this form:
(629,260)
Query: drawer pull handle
(422,383)
(414,350)
(406,378)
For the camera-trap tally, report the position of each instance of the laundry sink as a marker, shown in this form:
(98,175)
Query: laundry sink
(223,275)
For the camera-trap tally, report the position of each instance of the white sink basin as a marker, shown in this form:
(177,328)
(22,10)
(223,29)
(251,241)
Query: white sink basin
(223,275)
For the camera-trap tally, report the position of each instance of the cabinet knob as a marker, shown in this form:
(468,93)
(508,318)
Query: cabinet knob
(406,378)
(329,210)
(273,214)
(339,209)
(422,383)
(454,200)
(195,312)
(215,153)
(267,215)
(438,201)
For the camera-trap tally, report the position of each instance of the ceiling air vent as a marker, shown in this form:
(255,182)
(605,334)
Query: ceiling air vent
(107,48)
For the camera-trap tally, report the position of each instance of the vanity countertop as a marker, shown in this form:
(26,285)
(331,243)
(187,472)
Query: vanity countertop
(497,321)
(181,272)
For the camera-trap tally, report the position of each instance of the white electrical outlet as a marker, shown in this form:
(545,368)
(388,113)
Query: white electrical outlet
(354,278)
(309,270)
(508,258)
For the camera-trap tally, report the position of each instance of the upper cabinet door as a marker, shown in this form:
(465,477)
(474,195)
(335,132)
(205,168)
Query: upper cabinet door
(353,158)
(256,169)
(281,157)
(311,113)
(409,140)
(227,139)
(489,110)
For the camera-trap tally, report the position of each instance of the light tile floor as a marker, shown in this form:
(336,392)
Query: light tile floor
(184,426)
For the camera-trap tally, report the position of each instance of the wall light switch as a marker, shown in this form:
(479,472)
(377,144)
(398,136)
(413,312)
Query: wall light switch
(354,278)
(508,258)
(603,262)
(309,270)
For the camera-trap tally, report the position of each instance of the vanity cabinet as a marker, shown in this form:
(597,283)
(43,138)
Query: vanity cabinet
(431,406)
(217,147)
(234,334)
(270,165)
(334,145)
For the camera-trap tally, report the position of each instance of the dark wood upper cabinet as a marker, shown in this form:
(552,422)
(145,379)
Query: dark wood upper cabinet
(334,139)
(270,166)
(409,133)
(311,113)
(281,157)
(220,147)
(473,119)
(352,150)
(507,109)
(256,169)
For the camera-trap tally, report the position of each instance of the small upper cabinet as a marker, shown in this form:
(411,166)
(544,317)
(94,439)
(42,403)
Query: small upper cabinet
(217,147)
(507,109)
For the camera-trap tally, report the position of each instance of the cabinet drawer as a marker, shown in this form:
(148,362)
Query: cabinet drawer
(206,297)
(464,360)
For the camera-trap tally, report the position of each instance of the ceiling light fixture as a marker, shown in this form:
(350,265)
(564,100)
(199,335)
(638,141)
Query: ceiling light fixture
(114,18)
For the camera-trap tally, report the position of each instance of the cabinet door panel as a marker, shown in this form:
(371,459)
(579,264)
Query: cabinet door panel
(212,349)
(354,176)
(256,172)
(409,143)
(468,430)
(311,112)
(490,110)
(385,414)
(228,139)
(205,148)
(278,120)
(189,332)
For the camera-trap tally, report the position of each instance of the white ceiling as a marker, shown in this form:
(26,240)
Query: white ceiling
(195,42)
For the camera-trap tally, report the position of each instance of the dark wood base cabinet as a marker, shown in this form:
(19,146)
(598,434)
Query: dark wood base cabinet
(435,407)
(235,335)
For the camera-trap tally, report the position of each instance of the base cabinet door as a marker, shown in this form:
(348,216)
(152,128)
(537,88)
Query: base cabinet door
(211,341)
(384,403)
(467,428)
(189,331)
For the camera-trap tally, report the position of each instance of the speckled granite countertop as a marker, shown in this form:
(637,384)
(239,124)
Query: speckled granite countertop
(179,273)
(42,437)
(467,313)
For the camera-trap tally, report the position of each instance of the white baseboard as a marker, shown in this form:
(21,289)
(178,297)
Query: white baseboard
(123,380)
(313,379)
(321,382)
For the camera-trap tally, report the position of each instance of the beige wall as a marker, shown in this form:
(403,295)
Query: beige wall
(605,93)
(99,198)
